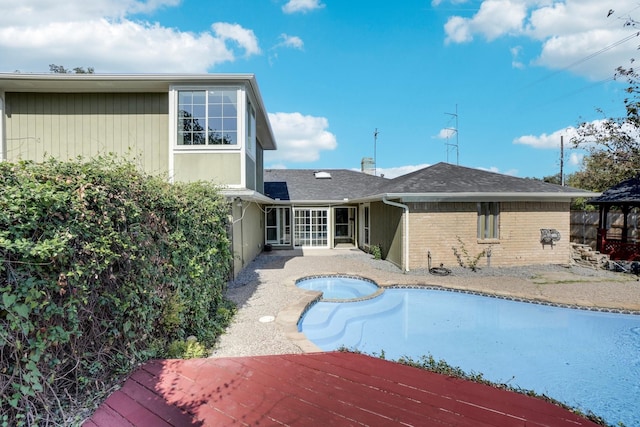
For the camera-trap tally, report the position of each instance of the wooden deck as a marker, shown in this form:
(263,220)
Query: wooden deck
(316,389)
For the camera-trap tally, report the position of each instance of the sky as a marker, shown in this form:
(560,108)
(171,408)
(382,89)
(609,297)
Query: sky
(489,84)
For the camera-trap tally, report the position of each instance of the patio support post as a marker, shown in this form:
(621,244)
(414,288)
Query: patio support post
(602,228)
(625,225)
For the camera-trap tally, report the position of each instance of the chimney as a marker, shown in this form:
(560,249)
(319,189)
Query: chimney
(367,166)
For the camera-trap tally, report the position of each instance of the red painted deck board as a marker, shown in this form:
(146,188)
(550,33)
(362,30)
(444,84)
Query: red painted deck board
(335,388)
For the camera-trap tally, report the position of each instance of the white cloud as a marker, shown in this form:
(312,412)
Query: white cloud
(243,37)
(400,170)
(294,42)
(445,133)
(548,141)
(569,31)
(494,19)
(300,138)
(575,158)
(303,6)
(515,54)
(36,33)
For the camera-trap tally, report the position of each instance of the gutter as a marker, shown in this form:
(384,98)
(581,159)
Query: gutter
(480,196)
(405,240)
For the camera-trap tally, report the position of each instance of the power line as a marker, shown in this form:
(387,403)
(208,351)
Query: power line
(586,58)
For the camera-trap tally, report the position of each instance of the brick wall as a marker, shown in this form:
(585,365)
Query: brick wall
(436,228)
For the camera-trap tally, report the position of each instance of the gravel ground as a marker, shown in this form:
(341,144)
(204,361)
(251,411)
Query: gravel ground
(269,303)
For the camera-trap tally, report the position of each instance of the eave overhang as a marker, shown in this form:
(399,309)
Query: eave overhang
(136,83)
(247,195)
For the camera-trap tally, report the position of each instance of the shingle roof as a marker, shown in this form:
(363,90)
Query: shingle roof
(302,184)
(448,178)
(627,192)
(439,181)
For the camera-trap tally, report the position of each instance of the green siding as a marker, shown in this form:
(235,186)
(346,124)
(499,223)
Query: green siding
(220,168)
(250,173)
(68,125)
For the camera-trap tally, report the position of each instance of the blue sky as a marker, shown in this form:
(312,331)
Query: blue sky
(518,73)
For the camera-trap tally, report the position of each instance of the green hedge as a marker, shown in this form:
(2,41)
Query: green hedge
(101,267)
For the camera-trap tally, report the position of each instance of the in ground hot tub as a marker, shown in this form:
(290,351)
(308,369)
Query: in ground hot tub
(339,287)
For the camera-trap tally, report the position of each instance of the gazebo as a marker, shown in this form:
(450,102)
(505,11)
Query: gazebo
(626,197)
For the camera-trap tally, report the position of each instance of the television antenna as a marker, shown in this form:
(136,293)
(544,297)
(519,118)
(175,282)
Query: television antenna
(375,160)
(450,145)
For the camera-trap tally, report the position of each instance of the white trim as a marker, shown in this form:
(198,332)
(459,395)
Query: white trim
(173,131)
(3,135)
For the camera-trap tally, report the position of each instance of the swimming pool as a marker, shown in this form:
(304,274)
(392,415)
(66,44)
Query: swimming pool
(589,360)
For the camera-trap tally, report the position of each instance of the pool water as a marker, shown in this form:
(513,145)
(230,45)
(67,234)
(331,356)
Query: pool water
(335,287)
(588,360)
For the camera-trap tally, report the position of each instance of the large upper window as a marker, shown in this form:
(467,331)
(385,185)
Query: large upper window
(488,224)
(208,117)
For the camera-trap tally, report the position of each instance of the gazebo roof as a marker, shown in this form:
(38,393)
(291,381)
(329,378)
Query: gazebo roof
(625,193)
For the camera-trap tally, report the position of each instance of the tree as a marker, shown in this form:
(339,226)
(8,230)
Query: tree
(612,144)
(60,69)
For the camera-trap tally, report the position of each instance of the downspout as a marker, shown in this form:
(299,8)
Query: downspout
(405,240)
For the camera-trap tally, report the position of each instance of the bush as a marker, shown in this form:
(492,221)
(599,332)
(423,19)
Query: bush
(101,268)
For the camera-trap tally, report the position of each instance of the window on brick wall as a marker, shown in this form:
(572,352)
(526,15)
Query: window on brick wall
(488,220)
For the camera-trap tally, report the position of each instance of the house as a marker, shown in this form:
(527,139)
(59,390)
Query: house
(420,218)
(211,127)
(214,127)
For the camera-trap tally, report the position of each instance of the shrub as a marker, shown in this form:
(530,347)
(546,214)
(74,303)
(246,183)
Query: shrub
(101,267)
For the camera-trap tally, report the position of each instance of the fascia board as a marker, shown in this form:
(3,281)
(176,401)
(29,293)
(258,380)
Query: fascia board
(27,82)
(478,197)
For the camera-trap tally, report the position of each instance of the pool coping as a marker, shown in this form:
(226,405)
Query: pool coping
(289,317)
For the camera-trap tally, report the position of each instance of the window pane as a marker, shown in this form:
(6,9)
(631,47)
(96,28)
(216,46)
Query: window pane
(198,111)
(215,124)
(230,138)
(229,124)
(215,138)
(215,110)
(198,138)
(199,97)
(229,110)
(183,139)
(184,97)
(215,97)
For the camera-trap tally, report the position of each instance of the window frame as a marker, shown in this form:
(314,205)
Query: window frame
(241,103)
(488,224)
(283,225)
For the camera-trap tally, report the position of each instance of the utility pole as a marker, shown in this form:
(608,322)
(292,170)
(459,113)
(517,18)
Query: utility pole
(562,160)
(375,160)
(456,144)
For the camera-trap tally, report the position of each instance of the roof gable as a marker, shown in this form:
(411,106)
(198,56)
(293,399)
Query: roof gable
(448,178)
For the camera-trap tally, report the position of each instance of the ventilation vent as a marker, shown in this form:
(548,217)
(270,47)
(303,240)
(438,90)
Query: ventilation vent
(322,175)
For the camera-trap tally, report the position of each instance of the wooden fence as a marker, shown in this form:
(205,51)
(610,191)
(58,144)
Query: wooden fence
(584,227)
